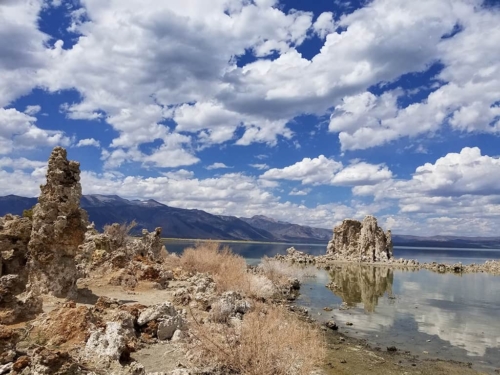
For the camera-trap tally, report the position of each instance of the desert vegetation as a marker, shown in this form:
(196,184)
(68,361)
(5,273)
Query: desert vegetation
(267,339)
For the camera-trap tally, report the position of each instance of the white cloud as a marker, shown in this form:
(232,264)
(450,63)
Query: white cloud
(21,163)
(453,175)
(217,166)
(162,60)
(324,25)
(362,173)
(32,110)
(317,171)
(324,171)
(18,130)
(261,167)
(458,194)
(466,97)
(22,47)
(172,71)
(299,192)
(88,142)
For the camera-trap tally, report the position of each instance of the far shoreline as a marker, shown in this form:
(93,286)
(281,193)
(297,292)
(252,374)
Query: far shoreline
(242,241)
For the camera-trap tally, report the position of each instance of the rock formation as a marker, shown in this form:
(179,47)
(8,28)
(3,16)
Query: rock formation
(15,304)
(59,226)
(14,237)
(361,241)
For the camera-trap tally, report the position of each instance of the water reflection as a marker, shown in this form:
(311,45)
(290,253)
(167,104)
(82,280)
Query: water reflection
(448,316)
(361,284)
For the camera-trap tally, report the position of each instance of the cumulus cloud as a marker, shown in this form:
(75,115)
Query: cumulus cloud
(316,171)
(22,47)
(324,171)
(299,192)
(20,163)
(88,142)
(466,98)
(456,194)
(362,173)
(217,166)
(324,24)
(177,73)
(32,110)
(18,130)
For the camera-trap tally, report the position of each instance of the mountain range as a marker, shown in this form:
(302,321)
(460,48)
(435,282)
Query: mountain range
(184,223)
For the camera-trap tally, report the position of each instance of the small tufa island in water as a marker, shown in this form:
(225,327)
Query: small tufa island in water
(365,242)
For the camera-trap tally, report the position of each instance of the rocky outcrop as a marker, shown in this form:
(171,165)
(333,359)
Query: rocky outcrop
(59,226)
(361,241)
(15,234)
(149,245)
(15,304)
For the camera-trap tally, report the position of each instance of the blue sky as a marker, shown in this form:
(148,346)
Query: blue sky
(304,111)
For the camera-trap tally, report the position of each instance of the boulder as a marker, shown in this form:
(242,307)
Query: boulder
(168,326)
(361,241)
(59,226)
(156,312)
(110,344)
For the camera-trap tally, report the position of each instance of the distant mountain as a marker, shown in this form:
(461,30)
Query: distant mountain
(447,241)
(13,204)
(175,222)
(149,214)
(287,232)
(182,223)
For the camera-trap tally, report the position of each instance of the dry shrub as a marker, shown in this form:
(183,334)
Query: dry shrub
(227,269)
(171,261)
(119,233)
(268,341)
(280,272)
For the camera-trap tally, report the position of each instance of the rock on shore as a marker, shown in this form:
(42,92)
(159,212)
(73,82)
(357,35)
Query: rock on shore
(361,241)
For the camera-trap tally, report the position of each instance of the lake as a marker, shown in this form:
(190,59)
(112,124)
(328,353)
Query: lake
(445,316)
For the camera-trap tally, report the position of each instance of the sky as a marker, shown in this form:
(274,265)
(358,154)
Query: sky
(304,111)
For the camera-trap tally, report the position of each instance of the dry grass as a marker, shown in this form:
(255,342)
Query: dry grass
(119,233)
(268,341)
(227,269)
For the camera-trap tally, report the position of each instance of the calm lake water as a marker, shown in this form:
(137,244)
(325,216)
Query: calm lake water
(436,315)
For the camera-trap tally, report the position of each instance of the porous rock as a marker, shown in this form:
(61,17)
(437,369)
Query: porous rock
(59,226)
(361,241)
(149,245)
(110,344)
(230,304)
(14,238)
(169,325)
(156,312)
(14,305)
